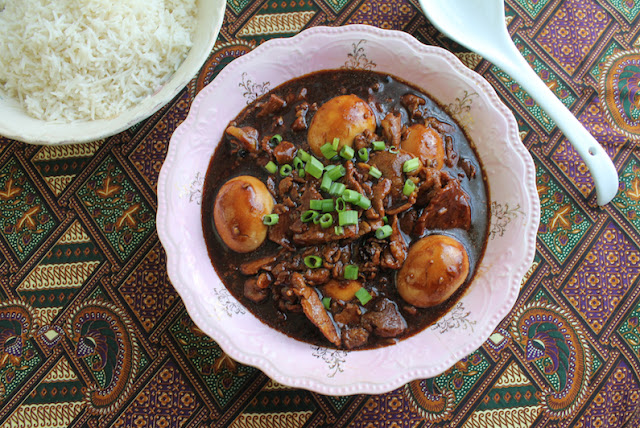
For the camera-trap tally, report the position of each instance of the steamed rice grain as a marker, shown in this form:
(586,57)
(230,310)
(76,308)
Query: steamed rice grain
(68,60)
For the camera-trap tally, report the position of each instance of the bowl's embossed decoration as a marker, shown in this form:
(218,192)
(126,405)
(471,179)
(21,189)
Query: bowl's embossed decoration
(512,190)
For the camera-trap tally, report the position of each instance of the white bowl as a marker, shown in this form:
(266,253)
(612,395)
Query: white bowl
(468,98)
(16,124)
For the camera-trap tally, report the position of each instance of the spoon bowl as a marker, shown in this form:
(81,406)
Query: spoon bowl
(480,26)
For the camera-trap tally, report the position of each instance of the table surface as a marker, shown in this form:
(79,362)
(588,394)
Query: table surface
(61,265)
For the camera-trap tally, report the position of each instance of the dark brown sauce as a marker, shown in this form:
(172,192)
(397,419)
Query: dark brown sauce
(228,162)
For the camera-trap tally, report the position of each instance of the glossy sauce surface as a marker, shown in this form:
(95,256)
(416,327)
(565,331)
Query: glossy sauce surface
(383,93)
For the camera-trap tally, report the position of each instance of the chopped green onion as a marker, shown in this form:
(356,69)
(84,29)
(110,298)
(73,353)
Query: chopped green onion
(317,219)
(375,172)
(340,205)
(351,272)
(347,153)
(314,167)
(337,172)
(363,154)
(328,206)
(275,140)
(326,220)
(393,149)
(339,230)
(297,163)
(411,165)
(346,218)
(409,187)
(324,205)
(326,182)
(330,167)
(328,151)
(385,219)
(271,167)
(313,262)
(378,145)
(326,302)
(304,156)
(363,295)
(270,219)
(285,170)
(363,202)
(315,204)
(308,216)
(351,196)
(301,173)
(337,189)
(384,232)
(335,143)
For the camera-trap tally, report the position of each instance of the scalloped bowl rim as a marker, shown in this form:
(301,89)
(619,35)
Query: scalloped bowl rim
(168,187)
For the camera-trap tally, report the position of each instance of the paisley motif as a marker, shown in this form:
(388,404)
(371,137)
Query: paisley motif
(429,401)
(102,335)
(16,327)
(552,339)
(620,92)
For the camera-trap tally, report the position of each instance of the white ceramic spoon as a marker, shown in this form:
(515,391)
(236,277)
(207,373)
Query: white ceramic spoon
(480,26)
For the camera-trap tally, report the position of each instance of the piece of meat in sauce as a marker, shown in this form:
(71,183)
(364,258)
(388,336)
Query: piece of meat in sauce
(385,319)
(449,207)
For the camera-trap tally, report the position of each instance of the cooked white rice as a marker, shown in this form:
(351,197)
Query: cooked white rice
(68,60)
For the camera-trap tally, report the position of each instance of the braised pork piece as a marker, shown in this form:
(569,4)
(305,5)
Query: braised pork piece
(346,209)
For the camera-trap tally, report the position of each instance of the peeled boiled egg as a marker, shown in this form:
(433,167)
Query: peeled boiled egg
(425,143)
(343,117)
(239,207)
(436,266)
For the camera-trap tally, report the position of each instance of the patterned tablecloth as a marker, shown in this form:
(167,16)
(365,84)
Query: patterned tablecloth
(78,248)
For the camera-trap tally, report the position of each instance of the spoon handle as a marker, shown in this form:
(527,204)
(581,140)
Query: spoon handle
(600,165)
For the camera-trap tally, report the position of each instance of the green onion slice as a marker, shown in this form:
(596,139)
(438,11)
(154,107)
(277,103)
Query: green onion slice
(337,189)
(326,220)
(348,217)
(351,272)
(271,167)
(270,219)
(411,165)
(363,154)
(304,156)
(297,163)
(313,262)
(340,205)
(351,196)
(326,182)
(347,153)
(328,206)
(364,202)
(378,145)
(326,302)
(393,149)
(335,143)
(275,140)
(385,219)
(328,151)
(384,232)
(314,167)
(375,172)
(363,295)
(285,170)
(337,172)
(409,187)
(339,230)
(308,216)
(315,204)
